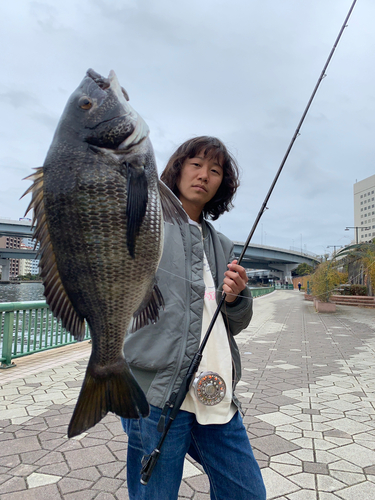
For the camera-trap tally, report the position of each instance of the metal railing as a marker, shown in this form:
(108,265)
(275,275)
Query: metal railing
(27,328)
(257,292)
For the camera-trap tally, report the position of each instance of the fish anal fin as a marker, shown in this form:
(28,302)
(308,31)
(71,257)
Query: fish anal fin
(55,293)
(171,205)
(148,311)
(137,191)
(114,391)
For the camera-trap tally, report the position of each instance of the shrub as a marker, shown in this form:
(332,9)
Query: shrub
(325,279)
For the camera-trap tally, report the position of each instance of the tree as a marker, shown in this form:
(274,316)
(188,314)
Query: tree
(364,256)
(325,279)
(302,269)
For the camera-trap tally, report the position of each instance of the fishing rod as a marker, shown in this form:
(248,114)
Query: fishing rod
(149,461)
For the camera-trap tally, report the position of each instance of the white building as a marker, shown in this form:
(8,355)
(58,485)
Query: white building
(364,210)
(34,263)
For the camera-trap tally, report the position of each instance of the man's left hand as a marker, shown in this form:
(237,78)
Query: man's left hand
(235,281)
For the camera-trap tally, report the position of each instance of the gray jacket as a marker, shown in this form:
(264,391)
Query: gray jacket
(160,354)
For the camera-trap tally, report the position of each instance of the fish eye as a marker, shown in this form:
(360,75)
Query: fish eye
(84,102)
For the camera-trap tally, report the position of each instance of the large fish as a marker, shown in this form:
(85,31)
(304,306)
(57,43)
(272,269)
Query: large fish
(97,206)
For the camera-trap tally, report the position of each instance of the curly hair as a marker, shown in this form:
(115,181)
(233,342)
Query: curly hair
(215,149)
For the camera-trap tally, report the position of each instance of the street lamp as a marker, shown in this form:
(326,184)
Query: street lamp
(356,231)
(334,248)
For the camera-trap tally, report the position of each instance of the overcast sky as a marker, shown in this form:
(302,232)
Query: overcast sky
(241,70)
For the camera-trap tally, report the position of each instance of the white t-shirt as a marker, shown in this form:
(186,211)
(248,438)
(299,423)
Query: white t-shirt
(216,358)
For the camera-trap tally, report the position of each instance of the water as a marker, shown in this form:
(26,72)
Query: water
(21,293)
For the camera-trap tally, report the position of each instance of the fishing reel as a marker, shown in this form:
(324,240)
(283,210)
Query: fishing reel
(209,388)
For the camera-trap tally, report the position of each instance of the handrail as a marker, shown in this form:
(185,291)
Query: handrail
(20,306)
(258,292)
(27,328)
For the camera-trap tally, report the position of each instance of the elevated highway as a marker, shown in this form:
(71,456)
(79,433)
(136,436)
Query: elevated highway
(277,260)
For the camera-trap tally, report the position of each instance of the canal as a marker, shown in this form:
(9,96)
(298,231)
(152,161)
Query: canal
(21,292)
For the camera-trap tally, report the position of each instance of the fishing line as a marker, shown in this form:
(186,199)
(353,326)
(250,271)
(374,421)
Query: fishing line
(213,288)
(176,399)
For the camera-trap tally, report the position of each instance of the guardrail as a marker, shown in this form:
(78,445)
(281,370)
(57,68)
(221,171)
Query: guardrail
(27,328)
(257,292)
(284,287)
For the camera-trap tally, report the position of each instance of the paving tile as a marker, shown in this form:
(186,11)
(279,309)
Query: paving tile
(273,445)
(276,484)
(324,401)
(348,478)
(36,479)
(359,455)
(303,495)
(361,491)
(49,492)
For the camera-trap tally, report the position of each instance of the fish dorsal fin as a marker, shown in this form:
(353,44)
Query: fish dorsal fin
(137,191)
(148,311)
(171,205)
(54,290)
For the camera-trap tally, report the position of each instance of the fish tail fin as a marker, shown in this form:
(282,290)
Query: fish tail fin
(116,391)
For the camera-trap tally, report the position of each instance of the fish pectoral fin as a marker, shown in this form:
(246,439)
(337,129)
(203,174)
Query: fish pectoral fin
(171,205)
(148,311)
(137,191)
(117,391)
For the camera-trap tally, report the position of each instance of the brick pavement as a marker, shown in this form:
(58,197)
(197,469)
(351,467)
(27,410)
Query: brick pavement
(308,391)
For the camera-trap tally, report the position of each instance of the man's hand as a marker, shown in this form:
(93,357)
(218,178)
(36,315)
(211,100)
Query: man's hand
(235,281)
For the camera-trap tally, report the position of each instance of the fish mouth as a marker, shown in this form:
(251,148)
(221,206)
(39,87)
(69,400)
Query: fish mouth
(141,130)
(106,83)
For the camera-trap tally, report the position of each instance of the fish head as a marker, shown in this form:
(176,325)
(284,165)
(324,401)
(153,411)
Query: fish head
(98,113)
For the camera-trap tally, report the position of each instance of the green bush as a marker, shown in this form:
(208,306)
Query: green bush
(325,280)
(358,290)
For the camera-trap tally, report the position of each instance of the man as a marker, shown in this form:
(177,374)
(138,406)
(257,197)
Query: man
(196,267)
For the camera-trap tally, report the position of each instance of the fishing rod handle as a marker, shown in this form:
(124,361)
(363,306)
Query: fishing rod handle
(149,461)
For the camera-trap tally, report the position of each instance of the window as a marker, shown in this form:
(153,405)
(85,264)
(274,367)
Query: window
(361,202)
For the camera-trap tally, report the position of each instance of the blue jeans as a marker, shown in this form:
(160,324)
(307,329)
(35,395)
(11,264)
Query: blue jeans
(223,450)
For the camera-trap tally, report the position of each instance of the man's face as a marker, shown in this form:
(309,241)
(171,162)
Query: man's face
(199,180)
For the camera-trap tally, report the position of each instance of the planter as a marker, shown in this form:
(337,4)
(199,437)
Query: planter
(308,297)
(324,307)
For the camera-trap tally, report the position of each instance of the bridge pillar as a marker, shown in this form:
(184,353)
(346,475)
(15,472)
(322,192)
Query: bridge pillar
(286,269)
(5,269)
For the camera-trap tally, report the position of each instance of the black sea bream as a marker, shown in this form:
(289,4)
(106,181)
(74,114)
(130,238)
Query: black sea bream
(97,207)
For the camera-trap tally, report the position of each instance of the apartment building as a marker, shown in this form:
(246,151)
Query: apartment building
(11,242)
(364,209)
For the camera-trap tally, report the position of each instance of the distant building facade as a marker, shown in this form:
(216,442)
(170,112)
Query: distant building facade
(12,242)
(364,209)
(34,263)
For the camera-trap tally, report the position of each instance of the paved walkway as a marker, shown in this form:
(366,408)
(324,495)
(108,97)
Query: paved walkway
(308,390)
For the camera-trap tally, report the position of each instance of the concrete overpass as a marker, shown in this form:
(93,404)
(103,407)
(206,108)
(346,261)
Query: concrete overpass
(15,228)
(280,261)
(277,261)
